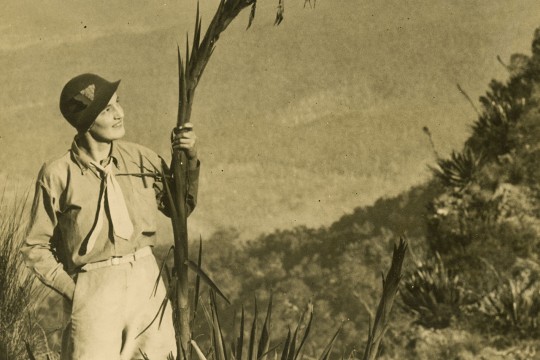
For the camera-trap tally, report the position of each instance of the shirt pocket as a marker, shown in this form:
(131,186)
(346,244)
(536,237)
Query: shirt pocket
(146,210)
(74,224)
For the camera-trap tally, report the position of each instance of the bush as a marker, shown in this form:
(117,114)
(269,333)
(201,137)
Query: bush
(17,325)
(432,294)
(514,306)
(459,170)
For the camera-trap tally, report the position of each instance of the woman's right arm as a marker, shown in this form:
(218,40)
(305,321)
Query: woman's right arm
(37,250)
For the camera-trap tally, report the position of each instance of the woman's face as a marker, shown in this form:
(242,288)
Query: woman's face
(109,124)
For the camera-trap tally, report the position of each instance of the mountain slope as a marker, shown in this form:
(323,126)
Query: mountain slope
(338,94)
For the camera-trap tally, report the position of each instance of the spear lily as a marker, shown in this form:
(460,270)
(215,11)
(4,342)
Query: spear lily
(190,69)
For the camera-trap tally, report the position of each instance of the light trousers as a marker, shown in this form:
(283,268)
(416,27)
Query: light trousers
(111,307)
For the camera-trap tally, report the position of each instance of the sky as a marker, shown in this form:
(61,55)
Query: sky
(297,124)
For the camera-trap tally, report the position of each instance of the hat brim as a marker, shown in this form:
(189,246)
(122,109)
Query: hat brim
(102,97)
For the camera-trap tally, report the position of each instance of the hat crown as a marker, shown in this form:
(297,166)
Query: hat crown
(75,95)
(84,97)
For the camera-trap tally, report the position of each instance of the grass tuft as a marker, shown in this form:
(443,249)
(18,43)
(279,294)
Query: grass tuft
(20,335)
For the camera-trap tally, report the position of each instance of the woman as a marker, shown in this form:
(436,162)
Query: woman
(93,226)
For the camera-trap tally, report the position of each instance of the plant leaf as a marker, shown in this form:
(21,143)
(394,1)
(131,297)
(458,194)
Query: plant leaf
(206,279)
(218,333)
(198,350)
(156,284)
(306,332)
(253,333)
(285,351)
(29,351)
(197,280)
(390,287)
(279,13)
(264,342)
(292,345)
(328,349)
(143,354)
(240,343)
(270,350)
(252,14)
(161,310)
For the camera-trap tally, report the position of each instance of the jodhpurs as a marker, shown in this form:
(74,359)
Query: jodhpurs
(112,306)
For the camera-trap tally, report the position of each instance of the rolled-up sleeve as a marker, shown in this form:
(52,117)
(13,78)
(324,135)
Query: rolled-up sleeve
(37,250)
(193,189)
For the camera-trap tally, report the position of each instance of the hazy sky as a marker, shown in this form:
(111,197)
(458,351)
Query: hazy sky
(297,123)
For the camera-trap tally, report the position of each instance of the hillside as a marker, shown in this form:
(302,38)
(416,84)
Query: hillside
(316,120)
(286,137)
(471,289)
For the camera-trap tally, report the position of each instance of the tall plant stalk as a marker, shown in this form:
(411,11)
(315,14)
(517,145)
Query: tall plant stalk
(190,71)
(382,316)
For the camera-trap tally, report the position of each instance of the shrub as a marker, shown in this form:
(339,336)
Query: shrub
(448,343)
(432,294)
(514,306)
(17,325)
(459,170)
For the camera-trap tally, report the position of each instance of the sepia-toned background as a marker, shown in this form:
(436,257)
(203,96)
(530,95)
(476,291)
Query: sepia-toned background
(315,157)
(297,124)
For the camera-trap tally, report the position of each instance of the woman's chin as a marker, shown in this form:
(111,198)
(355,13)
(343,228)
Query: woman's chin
(117,133)
(121,132)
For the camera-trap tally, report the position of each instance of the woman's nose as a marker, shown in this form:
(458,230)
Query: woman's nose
(118,111)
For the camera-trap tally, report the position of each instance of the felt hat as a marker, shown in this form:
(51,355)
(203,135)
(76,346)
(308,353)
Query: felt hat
(84,97)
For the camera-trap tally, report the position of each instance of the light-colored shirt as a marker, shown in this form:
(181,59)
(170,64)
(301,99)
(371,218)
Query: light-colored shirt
(65,209)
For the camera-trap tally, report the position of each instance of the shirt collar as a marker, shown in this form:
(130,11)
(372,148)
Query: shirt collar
(83,160)
(115,155)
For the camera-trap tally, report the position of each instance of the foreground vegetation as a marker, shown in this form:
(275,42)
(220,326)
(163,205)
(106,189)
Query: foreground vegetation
(19,295)
(24,335)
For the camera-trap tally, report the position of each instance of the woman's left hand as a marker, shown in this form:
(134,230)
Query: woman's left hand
(184,138)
